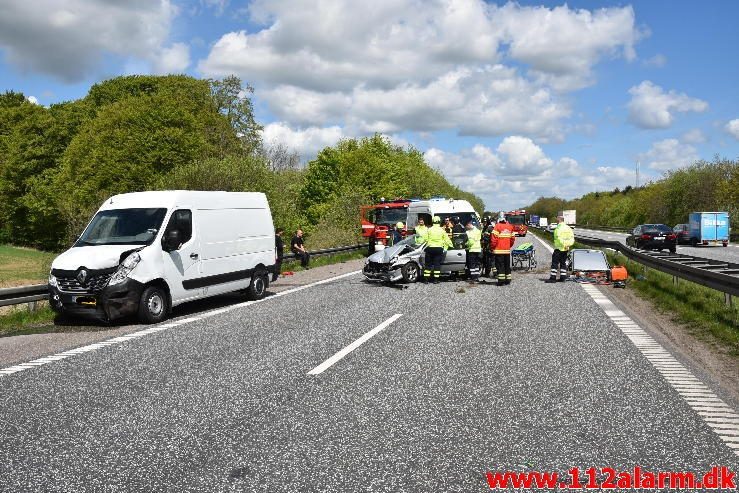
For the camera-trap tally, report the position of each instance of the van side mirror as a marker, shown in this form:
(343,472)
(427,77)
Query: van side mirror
(171,240)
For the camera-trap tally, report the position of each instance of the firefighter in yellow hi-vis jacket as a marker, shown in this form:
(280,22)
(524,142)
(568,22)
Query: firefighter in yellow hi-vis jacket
(437,242)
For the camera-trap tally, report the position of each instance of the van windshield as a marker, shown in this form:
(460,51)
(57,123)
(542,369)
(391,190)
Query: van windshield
(515,218)
(123,227)
(464,217)
(387,217)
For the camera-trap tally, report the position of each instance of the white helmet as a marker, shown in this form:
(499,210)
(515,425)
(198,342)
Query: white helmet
(501,217)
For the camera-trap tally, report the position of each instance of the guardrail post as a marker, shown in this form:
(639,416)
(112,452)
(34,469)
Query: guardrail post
(32,306)
(675,280)
(728,300)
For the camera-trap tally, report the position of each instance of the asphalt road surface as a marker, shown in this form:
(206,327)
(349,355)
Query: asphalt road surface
(729,253)
(436,385)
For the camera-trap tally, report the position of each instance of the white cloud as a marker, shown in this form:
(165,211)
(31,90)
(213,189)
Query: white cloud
(657,61)
(173,60)
(563,44)
(423,66)
(32,99)
(694,136)
(493,100)
(733,128)
(669,154)
(306,142)
(652,107)
(68,39)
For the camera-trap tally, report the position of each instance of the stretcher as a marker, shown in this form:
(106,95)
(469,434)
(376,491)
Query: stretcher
(523,257)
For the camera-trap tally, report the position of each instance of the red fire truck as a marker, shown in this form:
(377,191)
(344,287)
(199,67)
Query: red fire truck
(518,221)
(377,219)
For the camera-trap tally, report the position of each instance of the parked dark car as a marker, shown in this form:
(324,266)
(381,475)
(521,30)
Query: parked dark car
(683,233)
(653,237)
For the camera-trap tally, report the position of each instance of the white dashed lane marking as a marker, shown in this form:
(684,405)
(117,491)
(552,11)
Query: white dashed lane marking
(722,419)
(154,329)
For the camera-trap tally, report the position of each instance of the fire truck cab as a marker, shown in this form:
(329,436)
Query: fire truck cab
(518,221)
(379,218)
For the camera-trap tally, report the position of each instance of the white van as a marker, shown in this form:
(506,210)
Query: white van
(443,208)
(144,253)
(454,259)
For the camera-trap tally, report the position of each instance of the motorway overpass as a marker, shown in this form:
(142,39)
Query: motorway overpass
(342,385)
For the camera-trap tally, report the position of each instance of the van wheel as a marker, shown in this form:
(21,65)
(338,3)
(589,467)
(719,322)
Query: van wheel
(153,305)
(258,286)
(410,272)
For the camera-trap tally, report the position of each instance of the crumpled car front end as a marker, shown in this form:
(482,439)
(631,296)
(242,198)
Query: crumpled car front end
(387,265)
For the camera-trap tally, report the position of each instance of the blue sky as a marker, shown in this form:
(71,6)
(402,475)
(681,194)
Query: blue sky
(508,100)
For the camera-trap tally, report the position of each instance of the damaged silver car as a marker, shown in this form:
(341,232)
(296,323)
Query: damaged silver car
(404,261)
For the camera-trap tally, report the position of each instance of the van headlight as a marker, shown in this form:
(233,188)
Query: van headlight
(125,269)
(52,281)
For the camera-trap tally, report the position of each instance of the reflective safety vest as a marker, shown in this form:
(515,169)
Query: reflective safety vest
(421,232)
(436,237)
(474,236)
(564,237)
(502,238)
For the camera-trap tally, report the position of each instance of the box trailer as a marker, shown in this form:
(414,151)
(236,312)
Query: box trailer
(709,228)
(543,222)
(569,215)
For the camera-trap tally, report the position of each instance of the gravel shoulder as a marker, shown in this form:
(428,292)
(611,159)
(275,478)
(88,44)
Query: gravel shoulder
(21,348)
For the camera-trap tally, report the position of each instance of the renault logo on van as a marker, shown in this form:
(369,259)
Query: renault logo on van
(82,276)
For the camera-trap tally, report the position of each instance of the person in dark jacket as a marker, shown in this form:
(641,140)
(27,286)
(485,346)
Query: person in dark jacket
(298,248)
(279,252)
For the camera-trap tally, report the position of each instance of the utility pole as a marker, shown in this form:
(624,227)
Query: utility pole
(637,174)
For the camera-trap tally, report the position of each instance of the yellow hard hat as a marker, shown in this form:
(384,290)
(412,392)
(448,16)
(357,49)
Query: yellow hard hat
(399,225)
(437,219)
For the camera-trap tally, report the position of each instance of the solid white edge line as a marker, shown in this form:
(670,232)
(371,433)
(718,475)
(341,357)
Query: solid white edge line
(157,328)
(713,411)
(354,345)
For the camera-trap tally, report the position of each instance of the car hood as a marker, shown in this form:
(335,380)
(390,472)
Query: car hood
(92,257)
(386,255)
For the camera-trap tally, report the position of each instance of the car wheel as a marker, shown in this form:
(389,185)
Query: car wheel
(694,242)
(153,305)
(258,286)
(410,272)
(673,249)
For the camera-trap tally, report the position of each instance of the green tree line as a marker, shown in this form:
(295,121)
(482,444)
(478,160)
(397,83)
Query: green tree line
(136,133)
(703,186)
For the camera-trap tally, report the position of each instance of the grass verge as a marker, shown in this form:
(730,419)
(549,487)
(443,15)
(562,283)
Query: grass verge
(701,311)
(19,266)
(21,321)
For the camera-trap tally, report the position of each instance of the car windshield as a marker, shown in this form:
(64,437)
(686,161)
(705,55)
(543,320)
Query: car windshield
(515,218)
(464,217)
(656,228)
(123,227)
(387,217)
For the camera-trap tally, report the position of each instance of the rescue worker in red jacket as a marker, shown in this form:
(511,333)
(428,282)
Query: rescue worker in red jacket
(501,242)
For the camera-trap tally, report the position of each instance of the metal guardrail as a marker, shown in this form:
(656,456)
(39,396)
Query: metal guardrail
(715,274)
(39,292)
(23,294)
(328,251)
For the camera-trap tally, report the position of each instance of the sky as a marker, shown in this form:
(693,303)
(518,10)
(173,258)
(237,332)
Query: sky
(511,101)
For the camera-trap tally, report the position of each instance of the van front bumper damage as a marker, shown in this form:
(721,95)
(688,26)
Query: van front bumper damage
(110,303)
